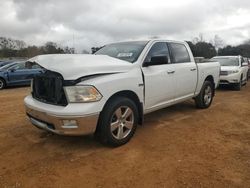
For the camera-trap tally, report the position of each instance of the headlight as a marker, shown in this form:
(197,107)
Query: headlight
(232,72)
(78,94)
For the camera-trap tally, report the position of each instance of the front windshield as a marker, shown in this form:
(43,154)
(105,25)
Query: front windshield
(227,61)
(128,51)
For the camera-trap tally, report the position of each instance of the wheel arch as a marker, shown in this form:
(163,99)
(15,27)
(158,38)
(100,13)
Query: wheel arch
(211,79)
(2,78)
(132,96)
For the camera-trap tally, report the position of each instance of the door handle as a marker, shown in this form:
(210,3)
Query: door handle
(171,72)
(193,69)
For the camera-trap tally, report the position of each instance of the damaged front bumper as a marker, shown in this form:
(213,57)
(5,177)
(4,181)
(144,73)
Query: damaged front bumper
(42,116)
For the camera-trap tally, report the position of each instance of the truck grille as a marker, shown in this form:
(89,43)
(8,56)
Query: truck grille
(223,73)
(48,88)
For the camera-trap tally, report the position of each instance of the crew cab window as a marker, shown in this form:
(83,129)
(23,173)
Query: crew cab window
(180,53)
(158,49)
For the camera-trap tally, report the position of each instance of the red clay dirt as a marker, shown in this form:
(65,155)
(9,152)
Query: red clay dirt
(179,146)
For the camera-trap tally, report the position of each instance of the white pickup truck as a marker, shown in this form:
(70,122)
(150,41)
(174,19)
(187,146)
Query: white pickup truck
(109,92)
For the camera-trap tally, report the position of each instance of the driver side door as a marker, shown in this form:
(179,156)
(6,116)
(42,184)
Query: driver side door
(159,79)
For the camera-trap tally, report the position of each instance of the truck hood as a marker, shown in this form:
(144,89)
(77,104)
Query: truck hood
(74,66)
(229,68)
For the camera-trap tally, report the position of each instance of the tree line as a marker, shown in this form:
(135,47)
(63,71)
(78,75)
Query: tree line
(200,48)
(216,46)
(18,48)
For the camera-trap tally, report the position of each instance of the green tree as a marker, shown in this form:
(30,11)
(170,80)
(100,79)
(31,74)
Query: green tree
(202,49)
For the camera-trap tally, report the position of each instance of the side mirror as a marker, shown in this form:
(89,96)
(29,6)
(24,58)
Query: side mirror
(156,60)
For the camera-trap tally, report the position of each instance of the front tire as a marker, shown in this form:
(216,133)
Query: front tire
(2,83)
(238,86)
(118,122)
(205,97)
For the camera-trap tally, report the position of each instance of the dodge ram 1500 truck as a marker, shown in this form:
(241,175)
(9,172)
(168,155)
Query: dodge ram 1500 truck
(109,92)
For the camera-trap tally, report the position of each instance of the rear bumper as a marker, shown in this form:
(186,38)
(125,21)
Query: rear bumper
(62,124)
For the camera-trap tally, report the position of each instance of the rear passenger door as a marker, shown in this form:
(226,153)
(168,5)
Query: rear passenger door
(185,71)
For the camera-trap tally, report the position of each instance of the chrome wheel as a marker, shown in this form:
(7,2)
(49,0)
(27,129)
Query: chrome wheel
(122,122)
(208,95)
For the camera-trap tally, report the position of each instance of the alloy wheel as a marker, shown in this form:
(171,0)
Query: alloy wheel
(208,95)
(122,122)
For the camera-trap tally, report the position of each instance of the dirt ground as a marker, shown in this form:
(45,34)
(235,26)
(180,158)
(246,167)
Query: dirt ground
(179,146)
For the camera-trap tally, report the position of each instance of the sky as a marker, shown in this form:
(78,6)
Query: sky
(86,23)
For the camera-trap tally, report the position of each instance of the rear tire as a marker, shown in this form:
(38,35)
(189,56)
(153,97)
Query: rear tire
(118,121)
(2,83)
(205,97)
